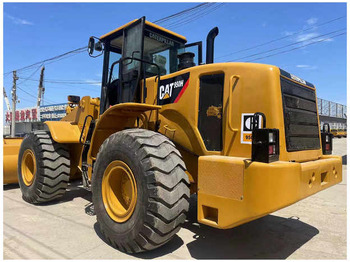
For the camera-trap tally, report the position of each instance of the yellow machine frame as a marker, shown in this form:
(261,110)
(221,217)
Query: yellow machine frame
(231,189)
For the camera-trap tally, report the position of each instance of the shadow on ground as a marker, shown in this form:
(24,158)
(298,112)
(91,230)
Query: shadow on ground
(10,186)
(168,248)
(74,190)
(268,237)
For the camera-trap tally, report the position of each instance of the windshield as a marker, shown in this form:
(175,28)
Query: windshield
(161,51)
(157,49)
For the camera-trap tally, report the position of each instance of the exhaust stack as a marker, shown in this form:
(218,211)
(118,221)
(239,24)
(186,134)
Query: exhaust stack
(210,45)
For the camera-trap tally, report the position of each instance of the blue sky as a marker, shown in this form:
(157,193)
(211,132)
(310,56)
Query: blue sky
(33,32)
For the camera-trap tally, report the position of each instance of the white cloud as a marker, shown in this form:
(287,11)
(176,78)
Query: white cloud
(306,37)
(287,33)
(312,21)
(93,82)
(310,67)
(18,21)
(325,39)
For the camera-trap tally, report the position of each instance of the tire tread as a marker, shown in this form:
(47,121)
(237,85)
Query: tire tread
(54,169)
(167,184)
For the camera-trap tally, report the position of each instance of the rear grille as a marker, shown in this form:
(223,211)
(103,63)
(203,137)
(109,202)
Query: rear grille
(300,116)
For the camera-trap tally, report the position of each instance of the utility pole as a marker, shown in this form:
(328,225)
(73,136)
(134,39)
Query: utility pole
(8,106)
(41,88)
(14,100)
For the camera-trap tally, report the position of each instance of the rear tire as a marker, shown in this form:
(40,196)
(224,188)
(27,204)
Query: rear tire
(162,190)
(45,177)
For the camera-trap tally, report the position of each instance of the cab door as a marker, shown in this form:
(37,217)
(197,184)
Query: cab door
(130,72)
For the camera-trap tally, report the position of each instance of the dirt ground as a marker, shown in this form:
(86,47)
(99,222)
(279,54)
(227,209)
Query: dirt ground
(314,228)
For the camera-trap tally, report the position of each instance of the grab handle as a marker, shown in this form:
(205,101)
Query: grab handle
(229,115)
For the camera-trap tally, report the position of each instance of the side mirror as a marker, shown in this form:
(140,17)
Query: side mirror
(98,46)
(74,99)
(91,45)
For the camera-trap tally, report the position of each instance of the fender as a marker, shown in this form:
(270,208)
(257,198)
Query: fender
(117,118)
(64,131)
(68,129)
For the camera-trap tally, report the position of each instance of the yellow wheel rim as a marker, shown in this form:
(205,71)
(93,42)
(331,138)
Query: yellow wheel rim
(28,167)
(119,191)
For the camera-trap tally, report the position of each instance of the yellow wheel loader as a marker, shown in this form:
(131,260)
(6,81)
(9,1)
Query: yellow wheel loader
(339,133)
(244,137)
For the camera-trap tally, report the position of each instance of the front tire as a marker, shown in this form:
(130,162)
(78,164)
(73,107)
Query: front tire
(154,180)
(43,168)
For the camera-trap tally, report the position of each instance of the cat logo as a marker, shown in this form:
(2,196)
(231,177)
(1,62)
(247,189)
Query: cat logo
(170,90)
(298,79)
(167,90)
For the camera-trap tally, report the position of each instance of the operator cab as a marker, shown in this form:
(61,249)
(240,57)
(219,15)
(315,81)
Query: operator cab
(136,51)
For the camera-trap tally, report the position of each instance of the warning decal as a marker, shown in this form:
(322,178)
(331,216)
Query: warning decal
(246,127)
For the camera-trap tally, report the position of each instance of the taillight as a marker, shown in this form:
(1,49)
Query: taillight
(265,141)
(328,147)
(327,140)
(272,150)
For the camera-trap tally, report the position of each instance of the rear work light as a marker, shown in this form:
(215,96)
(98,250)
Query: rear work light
(265,141)
(327,140)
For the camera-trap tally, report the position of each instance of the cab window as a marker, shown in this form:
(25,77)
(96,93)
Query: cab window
(161,51)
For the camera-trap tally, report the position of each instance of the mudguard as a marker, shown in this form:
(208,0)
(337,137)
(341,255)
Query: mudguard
(64,132)
(117,118)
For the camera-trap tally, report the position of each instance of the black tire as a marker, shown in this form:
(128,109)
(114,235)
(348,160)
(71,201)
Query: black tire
(162,190)
(52,168)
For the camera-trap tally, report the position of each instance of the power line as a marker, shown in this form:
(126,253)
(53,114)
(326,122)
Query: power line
(29,94)
(162,20)
(176,20)
(197,16)
(82,49)
(281,38)
(289,50)
(200,15)
(27,100)
(26,92)
(75,51)
(74,82)
(70,55)
(36,70)
(278,48)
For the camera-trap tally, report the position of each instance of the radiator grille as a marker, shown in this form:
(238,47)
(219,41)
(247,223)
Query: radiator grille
(300,116)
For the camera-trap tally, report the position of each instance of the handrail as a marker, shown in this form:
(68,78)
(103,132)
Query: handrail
(137,59)
(230,102)
(83,129)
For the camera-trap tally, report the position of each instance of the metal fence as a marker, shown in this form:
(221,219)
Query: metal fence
(332,109)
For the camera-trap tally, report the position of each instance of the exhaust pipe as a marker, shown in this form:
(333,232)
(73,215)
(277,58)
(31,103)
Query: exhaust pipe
(210,45)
